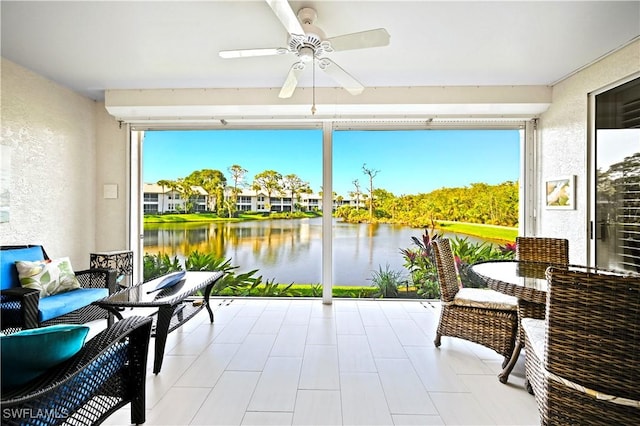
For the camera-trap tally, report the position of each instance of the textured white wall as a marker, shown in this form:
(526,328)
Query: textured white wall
(563,145)
(111,168)
(50,134)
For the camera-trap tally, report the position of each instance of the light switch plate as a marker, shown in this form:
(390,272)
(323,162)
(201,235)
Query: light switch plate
(110,190)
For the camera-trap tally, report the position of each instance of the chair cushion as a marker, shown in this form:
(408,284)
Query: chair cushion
(49,277)
(71,397)
(63,303)
(485,298)
(8,272)
(535,331)
(29,353)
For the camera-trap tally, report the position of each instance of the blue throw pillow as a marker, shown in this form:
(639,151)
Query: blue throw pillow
(28,354)
(169,280)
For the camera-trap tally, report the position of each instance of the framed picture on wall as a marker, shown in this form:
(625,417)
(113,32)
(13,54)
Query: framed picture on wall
(560,193)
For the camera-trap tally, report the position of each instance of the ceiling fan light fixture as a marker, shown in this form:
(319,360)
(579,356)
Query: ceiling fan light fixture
(306,53)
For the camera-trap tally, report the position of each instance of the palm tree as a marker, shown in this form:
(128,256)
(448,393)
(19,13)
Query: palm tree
(356,193)
(296,186)
(371,173)
(237,175)
(212,181)
(268,181)
(163,183)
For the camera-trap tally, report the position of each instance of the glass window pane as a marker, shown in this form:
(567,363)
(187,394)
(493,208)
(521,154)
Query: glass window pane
(250,196)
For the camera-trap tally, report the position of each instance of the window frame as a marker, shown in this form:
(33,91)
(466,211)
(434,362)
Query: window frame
(528,186)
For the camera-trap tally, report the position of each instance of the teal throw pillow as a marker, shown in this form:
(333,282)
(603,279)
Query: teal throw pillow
(28,354)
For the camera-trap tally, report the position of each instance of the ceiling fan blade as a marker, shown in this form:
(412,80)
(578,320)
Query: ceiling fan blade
(291,82)
(285,14)
(345,79)
(362,40)
(248,53)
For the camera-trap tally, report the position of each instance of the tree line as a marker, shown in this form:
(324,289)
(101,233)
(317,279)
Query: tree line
(215,183)
(478,203)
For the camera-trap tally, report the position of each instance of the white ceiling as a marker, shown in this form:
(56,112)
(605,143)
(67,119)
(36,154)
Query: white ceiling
(91,46)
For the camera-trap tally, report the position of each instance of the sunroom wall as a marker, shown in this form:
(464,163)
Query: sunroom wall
(49,137)
(563,145)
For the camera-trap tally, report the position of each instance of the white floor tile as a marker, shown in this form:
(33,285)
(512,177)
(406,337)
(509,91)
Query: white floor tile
(301,362)
(349,322)
(320,368)
(269,322)
(521,408)
(178,406)
(318,407)
(261,418)
(409,333)
(322,331)
(253,353)
(384,343)
(227,403)
(278,384)
(436,375)
(354,354)
(403,390)
(209,366)
(363,400)
(460,409)
(290,341)
(237,330)
(415,420)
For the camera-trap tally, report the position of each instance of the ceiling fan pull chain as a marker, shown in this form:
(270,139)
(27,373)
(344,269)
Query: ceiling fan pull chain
(313,86)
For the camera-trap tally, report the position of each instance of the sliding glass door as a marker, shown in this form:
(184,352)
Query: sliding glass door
(616,228)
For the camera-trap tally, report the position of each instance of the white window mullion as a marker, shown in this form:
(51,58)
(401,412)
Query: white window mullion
(327,212)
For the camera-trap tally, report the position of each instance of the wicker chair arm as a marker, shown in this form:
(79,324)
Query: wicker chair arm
(136,328)
(19,292)
(98,278)
(29,299)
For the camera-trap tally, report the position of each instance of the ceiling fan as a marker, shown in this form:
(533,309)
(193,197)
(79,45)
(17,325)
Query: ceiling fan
(309,43)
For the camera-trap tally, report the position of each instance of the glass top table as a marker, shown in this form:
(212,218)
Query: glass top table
(173,305)
(524,280)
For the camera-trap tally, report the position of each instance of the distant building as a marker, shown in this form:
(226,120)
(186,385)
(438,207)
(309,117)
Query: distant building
(165,200)
(157,199)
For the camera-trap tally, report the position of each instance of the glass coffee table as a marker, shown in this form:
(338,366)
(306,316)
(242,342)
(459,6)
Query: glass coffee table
(173,305)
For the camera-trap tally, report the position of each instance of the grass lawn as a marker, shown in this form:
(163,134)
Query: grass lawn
(495,233)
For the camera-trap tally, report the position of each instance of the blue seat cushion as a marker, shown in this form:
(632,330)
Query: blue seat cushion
(63,303)
(8,258)
(28,354)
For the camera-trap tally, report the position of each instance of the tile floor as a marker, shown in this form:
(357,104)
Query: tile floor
(355,362)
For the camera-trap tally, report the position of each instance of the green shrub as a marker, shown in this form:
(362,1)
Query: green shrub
(387,281)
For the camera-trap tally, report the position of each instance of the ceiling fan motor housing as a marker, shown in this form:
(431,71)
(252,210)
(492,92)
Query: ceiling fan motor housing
(313,42)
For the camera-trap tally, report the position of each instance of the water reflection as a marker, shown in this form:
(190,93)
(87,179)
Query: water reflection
(288,250)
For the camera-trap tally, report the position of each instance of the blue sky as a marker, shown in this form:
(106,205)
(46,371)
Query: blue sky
(408,162)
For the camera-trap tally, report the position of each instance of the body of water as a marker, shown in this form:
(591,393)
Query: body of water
(289,250)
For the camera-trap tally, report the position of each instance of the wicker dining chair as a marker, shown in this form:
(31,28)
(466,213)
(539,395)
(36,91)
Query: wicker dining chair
(483,316)
(546,250)
(583,360)
(543,249)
